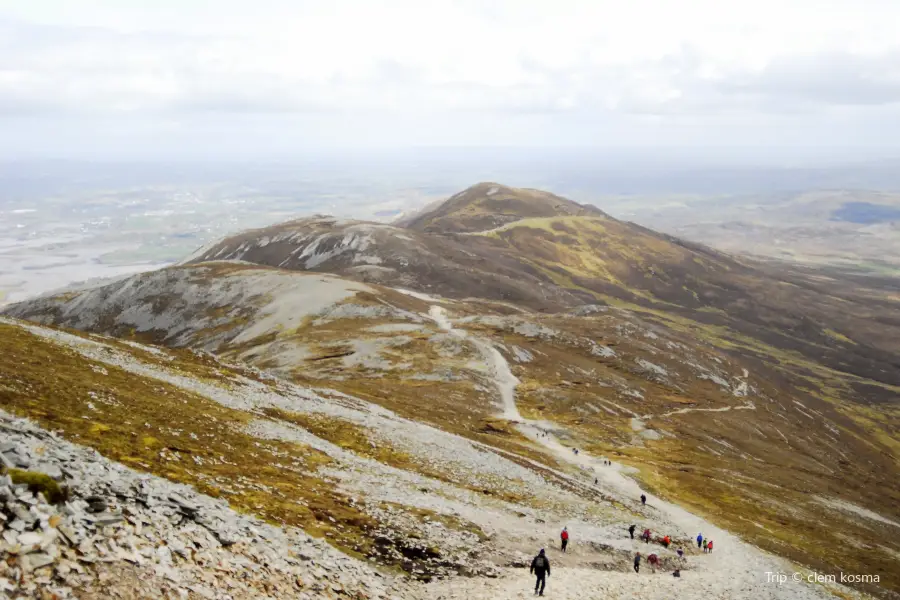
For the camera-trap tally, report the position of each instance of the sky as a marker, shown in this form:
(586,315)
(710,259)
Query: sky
(274,78)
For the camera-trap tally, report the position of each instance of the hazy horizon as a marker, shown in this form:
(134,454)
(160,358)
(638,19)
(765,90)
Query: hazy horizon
(773,81)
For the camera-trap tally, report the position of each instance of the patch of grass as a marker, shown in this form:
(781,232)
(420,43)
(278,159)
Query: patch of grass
(347,435)
(838,336)
(40,483)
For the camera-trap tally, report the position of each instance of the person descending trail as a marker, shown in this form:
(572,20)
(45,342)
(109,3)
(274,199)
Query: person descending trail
(709,546)
(705,546)
(680,552)
(666,541)
(646,535)
(631,531)
(637,562)
(540,568)
(643,499)
(699,540)
(564,538)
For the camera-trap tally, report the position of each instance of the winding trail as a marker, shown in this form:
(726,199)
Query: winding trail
(734,571)
(503,377)
(682,411)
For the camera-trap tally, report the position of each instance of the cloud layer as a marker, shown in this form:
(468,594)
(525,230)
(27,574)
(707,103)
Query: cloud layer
(570,66)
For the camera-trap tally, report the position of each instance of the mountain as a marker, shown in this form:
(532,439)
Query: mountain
(465,366)
(558,262)
(488,206)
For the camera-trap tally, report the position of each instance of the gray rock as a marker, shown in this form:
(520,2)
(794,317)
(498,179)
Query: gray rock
(30,539)
(36,561)
(7,461)
(106,520)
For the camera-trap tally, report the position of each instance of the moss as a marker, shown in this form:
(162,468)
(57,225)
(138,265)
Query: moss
(40,483)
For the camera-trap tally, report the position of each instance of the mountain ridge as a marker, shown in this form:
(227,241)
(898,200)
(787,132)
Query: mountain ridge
(742,391)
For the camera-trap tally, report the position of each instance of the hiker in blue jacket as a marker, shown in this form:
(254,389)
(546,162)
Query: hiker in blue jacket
(540,567)
(699,540)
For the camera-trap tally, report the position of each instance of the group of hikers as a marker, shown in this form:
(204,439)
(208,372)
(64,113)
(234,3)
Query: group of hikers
(540,565)
(666,540)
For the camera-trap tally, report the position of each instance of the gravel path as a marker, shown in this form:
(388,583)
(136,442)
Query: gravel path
(735,570)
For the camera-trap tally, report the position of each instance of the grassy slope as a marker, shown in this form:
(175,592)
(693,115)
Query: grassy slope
(155,427)
(759,485)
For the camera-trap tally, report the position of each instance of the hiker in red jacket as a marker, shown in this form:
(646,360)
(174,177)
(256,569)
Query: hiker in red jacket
(646,536)
(564,537)
(654,562)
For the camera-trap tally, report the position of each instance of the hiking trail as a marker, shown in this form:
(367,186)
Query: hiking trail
(734,571)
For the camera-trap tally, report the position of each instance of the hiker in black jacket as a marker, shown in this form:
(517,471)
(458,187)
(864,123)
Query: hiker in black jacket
(631,531)
(540,567)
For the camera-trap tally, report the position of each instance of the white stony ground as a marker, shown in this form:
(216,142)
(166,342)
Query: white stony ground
(153,538)
(599,564)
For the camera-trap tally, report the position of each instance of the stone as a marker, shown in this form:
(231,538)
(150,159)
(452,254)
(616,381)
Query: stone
(7,461)
(18,525)
(69,535)
(30,539)
(36,561)
(106,520)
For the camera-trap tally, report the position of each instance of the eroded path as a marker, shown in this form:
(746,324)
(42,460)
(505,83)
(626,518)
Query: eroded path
(735,570)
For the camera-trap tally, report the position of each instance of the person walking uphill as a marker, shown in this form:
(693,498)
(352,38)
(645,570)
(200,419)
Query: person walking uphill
(643,499)
(564,538)
(540,568)
(699,540)
(637,562)
(631,531)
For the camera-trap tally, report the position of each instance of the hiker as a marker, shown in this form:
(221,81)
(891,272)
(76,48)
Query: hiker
(643,499)
(680,552)
(540,567)
(676,573)
(654,562)
(699,540)
(637,562)
(646,536)
(705,546)
(631,531)
(564,537)
(666,541)
(709,546)
(596,481)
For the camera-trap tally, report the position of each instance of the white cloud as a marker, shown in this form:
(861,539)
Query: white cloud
(588,62)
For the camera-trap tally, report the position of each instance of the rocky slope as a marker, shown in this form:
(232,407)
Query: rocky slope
(761,399)
(576,256)
(135,531)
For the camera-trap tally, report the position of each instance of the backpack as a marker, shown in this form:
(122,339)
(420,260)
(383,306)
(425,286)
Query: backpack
(540,562)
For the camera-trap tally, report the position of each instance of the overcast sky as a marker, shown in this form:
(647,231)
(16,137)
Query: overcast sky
(272,77)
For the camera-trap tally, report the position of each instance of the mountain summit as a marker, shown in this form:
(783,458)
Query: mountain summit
(485,206)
